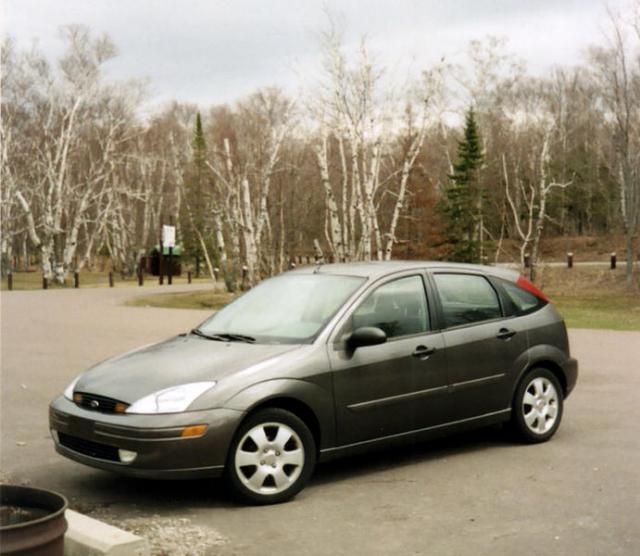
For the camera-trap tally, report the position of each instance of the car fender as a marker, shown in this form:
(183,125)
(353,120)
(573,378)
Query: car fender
(316,398)
(540,354)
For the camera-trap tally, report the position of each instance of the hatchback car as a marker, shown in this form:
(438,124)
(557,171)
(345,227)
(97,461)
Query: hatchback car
(321,362)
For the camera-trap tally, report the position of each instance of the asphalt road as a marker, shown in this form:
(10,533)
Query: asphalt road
(471,494)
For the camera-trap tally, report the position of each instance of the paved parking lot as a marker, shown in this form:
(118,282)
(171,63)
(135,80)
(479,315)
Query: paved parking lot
(470,494)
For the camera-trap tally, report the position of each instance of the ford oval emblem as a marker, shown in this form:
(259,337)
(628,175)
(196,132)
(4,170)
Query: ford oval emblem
(95,404)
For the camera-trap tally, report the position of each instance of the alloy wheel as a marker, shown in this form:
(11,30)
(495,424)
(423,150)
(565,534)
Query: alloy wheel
(540,405)
(269,458)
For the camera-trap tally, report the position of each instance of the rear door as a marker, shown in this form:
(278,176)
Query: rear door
(397,386)
(484,348)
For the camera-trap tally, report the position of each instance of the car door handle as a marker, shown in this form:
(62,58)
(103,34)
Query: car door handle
(423,351)
(505,334)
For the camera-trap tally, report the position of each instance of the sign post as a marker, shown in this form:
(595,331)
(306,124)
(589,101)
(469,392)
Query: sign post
(169,240)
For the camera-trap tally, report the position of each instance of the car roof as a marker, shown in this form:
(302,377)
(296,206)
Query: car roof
(376,269)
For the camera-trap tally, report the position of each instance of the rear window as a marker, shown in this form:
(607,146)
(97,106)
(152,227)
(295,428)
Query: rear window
(466,299)
(522,300)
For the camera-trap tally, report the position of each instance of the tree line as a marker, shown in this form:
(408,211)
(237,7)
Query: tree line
(452,163)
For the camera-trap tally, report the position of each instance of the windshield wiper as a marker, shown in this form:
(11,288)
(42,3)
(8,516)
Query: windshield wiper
(200,333)
(232,337)
(224,336)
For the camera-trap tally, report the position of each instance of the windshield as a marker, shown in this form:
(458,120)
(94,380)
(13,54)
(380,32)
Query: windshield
(287,309)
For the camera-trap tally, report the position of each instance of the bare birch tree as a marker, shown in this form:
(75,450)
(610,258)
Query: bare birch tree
(357,150)
(77,123)
(243,172)
(616,71)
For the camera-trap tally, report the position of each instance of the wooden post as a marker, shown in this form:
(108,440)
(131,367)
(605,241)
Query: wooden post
(569,260)
(613,260)
(527,260)
(45,283)
(140,276)
(161,264)
(9,280)
(170,267)
(292,265)
(76,279)
(245,273)
(216,273)
(110,279)
(189,277)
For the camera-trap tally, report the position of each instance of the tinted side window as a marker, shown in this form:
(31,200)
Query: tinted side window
(523,301)
(467,298)
(399,308)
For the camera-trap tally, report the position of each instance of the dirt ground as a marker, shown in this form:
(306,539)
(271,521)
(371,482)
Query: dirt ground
(475,493)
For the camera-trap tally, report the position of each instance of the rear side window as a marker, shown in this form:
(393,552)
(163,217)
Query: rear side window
(522,300)
(467,298)
(399,308)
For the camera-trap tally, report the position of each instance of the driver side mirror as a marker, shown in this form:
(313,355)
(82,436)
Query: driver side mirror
(366,336)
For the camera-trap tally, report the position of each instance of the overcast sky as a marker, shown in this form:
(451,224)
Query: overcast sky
(214,51)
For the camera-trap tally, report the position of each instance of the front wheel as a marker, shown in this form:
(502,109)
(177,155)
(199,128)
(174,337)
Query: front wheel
(537,406)
(271,458)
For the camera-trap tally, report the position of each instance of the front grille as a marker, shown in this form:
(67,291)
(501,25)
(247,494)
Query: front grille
(88,447)
(99,403)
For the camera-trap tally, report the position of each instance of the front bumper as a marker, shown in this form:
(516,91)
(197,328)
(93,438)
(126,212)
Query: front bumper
(161,452)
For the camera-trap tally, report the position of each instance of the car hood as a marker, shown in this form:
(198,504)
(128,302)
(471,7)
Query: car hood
(180,360)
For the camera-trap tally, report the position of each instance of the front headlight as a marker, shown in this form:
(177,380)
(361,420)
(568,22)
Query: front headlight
(68,391)
(170,400)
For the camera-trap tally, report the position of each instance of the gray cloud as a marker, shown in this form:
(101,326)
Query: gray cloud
(216,51)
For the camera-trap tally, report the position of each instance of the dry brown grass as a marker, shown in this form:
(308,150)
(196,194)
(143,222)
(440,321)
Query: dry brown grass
(593,297)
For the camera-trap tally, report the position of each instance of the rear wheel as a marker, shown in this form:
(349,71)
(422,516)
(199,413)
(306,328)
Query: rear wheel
(537,406)
(271,458)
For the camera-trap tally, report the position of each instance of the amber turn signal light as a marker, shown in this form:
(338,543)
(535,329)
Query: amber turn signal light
(192,431)
(121,407)
(77,398)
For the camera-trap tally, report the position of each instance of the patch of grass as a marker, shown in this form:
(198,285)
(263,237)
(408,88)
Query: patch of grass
(593,297)
(202,299)
(607,311)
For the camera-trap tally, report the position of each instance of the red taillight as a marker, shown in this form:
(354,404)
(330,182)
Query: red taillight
(524,284)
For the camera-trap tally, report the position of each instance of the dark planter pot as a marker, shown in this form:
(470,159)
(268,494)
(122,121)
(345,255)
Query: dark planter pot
(32,521)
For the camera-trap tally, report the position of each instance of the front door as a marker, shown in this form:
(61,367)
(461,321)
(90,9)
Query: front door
(397,386)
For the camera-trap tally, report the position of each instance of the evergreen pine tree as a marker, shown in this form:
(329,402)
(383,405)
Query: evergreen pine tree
(462,201)
(199,147)
(195,182)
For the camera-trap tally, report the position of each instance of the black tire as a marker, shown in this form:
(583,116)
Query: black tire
(271,457)
(528,423)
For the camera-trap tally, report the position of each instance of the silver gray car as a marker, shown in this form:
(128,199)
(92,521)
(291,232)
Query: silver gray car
(321,362)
